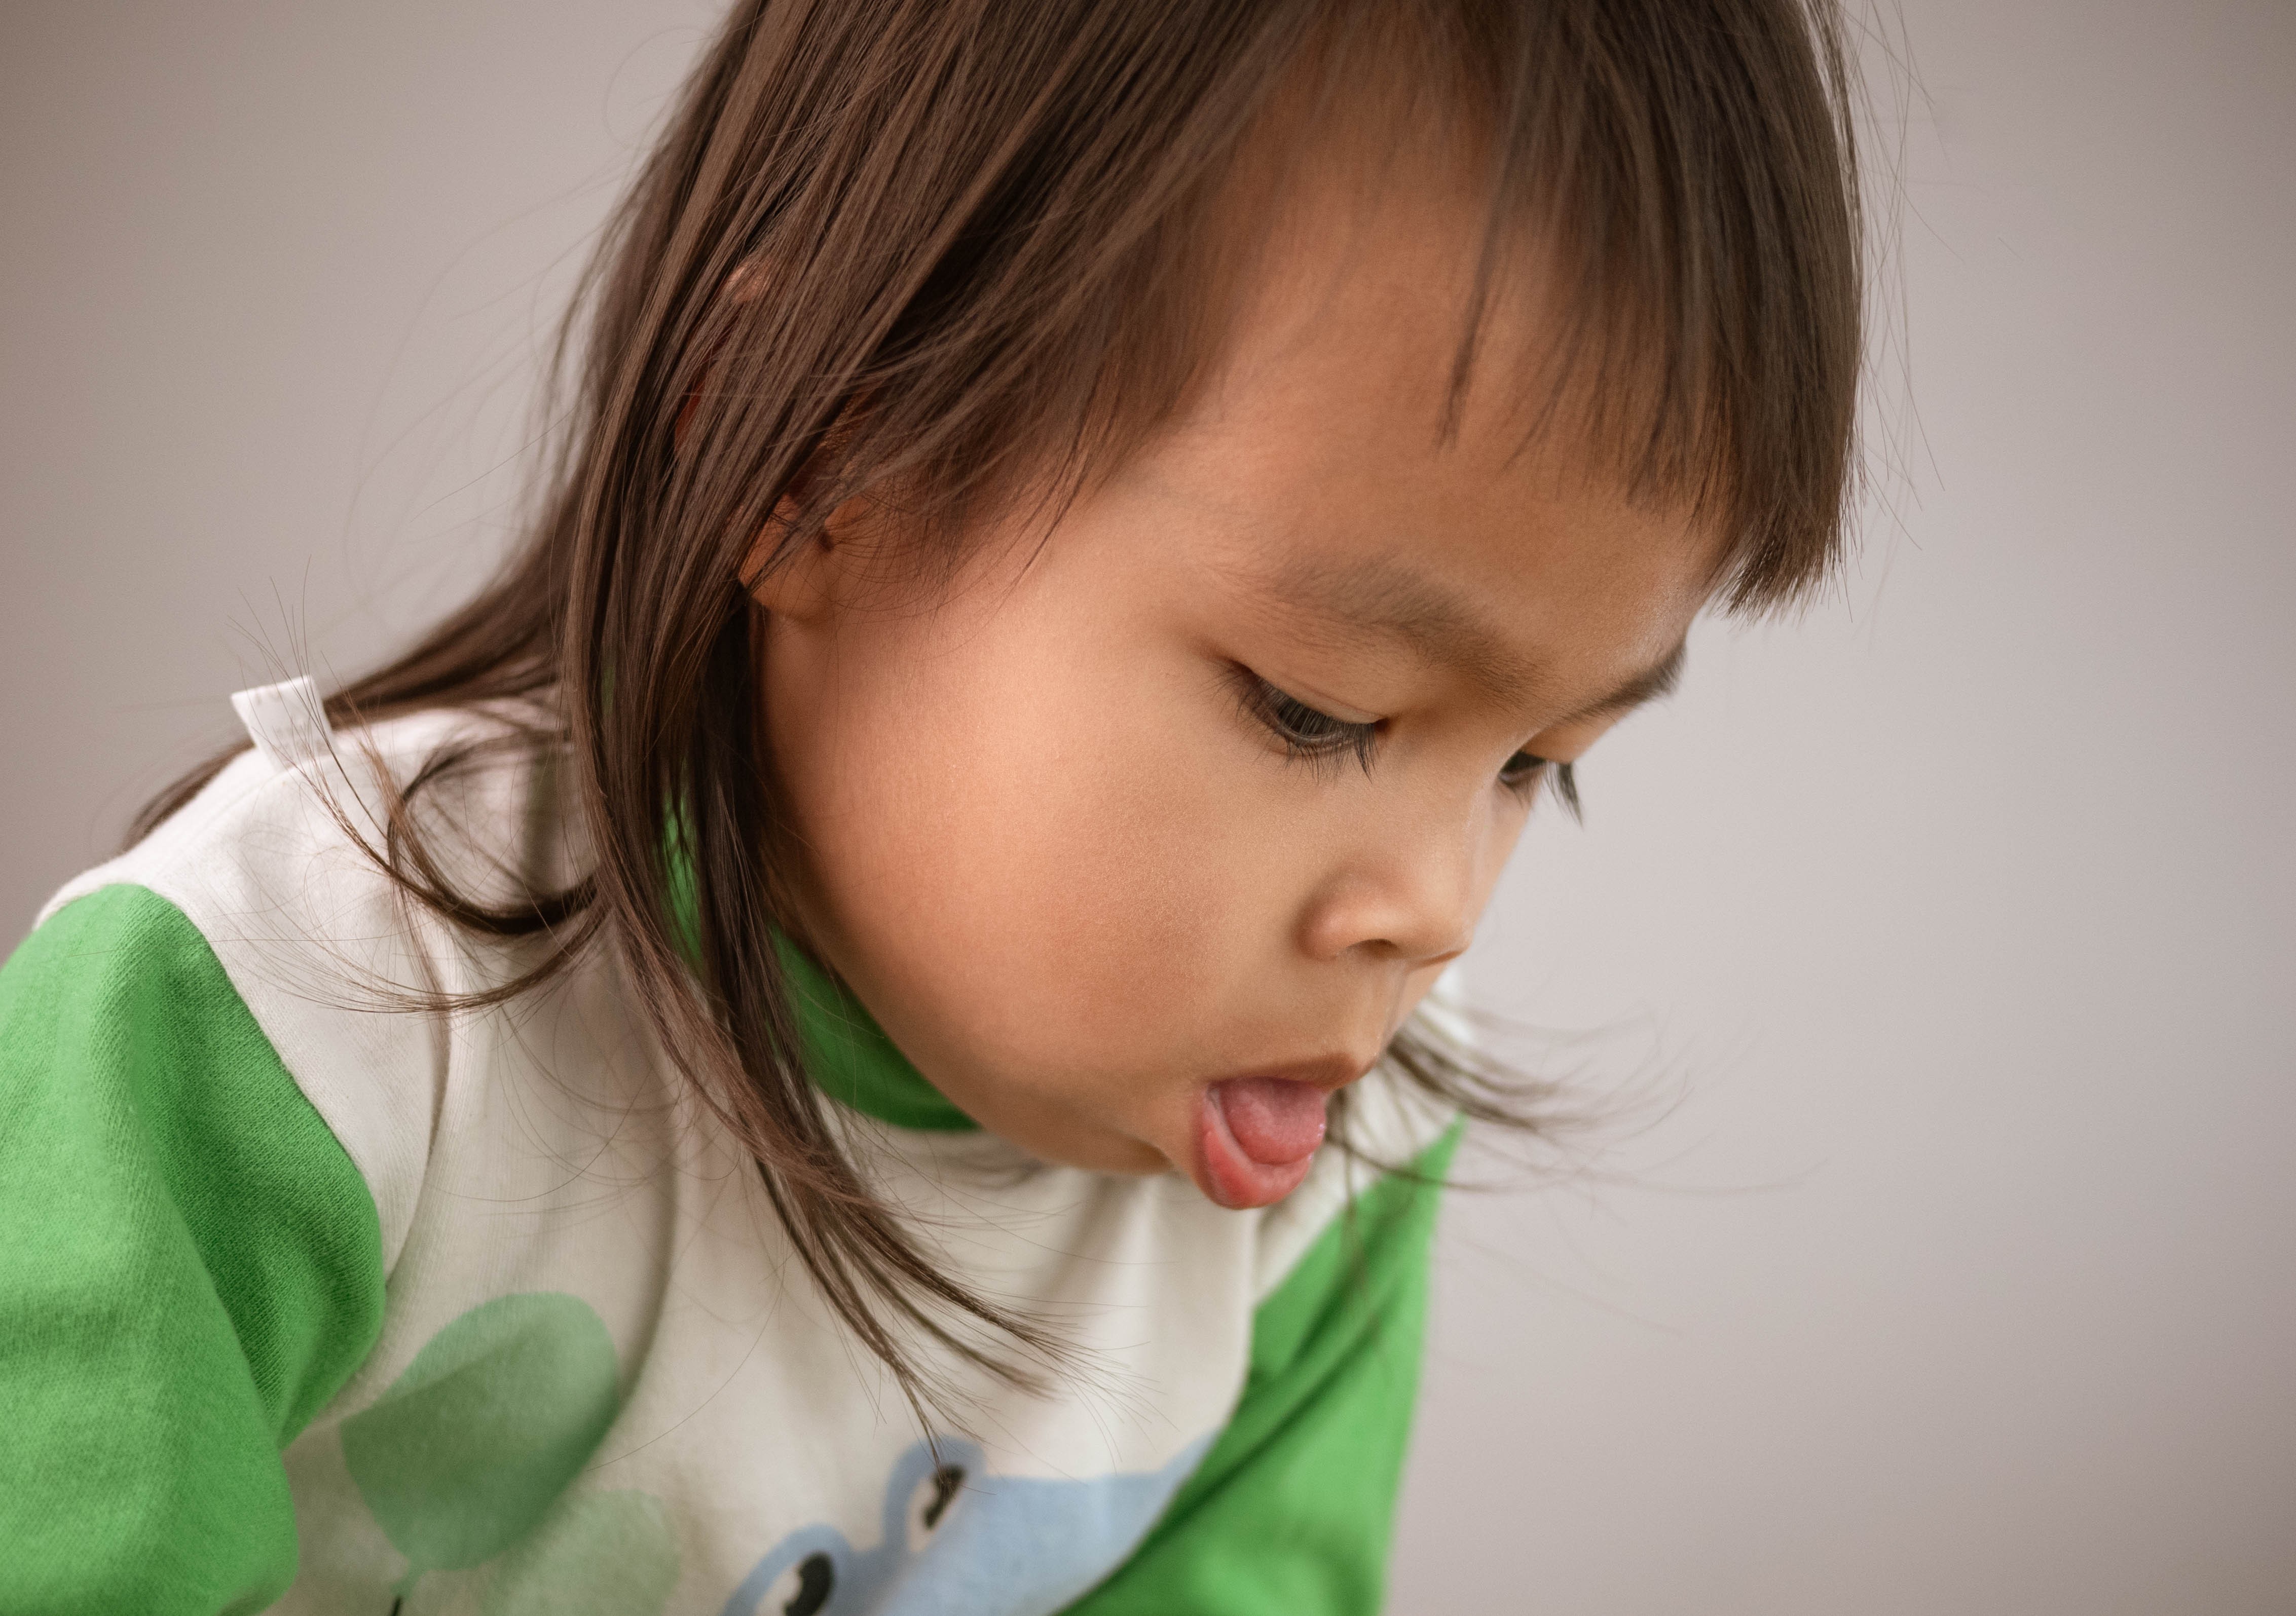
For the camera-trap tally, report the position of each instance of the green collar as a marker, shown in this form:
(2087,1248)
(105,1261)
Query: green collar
(851,1059)
(846,1054)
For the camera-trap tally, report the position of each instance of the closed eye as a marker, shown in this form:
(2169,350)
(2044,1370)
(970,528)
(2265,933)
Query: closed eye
(1524,773)
(1307,735)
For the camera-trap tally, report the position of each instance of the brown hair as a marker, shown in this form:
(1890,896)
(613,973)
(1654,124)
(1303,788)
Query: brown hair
(956,247)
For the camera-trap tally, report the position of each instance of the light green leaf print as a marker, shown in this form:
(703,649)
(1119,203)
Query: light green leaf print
(471,1444)
(598,1554)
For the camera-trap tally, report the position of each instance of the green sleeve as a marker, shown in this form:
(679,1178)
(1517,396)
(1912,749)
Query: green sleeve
(191,1267)
(1292,1508)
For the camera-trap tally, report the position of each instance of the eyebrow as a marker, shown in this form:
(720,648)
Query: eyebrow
(1659,679)
(1443,628)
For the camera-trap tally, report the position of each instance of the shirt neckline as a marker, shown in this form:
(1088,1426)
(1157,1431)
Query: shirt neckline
(847,1055)
(850,1058)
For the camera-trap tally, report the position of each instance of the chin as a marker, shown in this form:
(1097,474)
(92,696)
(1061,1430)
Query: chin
(1095,1147)
(1134,1158)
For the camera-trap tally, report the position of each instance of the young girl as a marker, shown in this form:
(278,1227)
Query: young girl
(842,1038)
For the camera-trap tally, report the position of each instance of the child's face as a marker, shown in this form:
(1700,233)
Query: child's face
(1051,839)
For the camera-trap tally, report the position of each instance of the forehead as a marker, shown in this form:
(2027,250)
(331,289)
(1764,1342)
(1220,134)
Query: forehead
(1325,456)
(1366,262)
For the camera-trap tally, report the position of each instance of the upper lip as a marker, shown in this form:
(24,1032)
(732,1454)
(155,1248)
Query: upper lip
(1330,1072)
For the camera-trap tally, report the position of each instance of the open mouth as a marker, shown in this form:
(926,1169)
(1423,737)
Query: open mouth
(1255,1137)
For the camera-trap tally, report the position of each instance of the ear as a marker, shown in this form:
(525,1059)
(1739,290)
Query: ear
(817,576)
(800,584)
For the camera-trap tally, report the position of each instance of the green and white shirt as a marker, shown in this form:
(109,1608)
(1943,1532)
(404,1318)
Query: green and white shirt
(311,1300)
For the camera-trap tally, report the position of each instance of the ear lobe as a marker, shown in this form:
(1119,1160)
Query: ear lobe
(793,585)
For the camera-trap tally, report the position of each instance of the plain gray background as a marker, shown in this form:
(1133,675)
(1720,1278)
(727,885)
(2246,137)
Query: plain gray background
(1934,951)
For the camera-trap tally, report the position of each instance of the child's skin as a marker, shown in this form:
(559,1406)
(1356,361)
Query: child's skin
(1080,884)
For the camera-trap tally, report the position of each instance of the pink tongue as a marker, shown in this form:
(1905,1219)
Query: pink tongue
(1274,1120)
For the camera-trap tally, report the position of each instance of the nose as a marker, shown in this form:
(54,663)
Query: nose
(1413,900)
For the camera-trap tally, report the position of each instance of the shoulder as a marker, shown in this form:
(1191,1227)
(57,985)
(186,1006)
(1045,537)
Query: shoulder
(305,793)
(277,867)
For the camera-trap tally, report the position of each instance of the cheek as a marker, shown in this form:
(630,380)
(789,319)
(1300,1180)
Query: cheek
(1021,841)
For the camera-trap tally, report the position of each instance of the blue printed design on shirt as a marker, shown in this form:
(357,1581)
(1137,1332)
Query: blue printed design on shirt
(957,1541)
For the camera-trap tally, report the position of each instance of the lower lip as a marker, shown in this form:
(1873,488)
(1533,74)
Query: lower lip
(1255,1138)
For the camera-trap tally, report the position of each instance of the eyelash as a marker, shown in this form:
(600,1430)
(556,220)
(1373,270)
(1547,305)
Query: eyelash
(1309,734)
(1312,737)
(1561,778)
